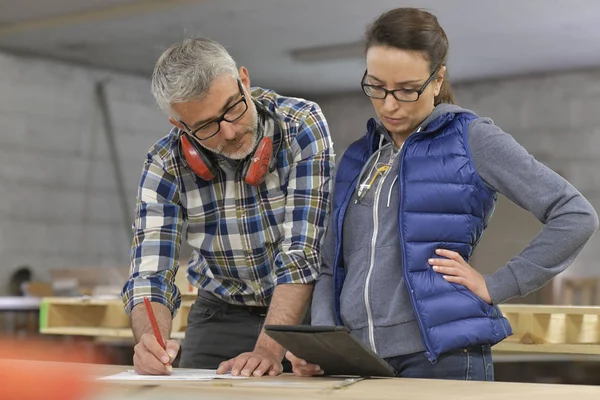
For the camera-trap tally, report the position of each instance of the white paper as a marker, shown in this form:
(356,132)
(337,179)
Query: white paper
(176,375)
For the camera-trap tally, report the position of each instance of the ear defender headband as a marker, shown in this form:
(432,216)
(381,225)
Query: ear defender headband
(255,167)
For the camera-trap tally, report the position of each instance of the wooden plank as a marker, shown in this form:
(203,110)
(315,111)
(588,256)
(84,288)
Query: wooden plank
(537,329)
(88,331)
(180,320)
(286,387)
(514,346)
(97,317)
(565,327)
(189,296)
(85,300)
(431,389)
(83,313)
(548,309)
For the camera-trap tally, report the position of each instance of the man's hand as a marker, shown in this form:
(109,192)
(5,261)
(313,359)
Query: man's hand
(257,363)
(455,269)
(149,358)
(287,307)
(301,368)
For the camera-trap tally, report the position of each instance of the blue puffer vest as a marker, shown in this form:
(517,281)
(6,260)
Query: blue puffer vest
(443,204)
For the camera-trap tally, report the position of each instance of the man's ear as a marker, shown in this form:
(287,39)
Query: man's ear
(245,77)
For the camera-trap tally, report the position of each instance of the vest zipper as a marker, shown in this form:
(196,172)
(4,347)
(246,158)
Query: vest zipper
(372,263)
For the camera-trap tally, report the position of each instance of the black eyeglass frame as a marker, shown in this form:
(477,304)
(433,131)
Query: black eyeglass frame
(221,117)
(393,92)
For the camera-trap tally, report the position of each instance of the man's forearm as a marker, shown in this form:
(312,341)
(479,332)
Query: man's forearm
(288,307)
(140,323)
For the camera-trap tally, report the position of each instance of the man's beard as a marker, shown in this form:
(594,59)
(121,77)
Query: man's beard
(240,154)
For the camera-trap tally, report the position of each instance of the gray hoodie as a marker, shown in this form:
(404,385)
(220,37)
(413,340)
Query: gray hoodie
(374,299)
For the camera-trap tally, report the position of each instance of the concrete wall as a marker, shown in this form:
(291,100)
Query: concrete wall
(60,205)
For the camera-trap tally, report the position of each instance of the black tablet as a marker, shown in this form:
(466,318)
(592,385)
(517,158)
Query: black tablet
(331,347)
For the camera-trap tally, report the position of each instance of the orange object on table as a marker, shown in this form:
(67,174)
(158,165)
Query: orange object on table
(33,370)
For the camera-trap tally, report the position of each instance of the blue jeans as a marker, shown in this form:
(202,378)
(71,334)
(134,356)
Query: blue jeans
(473,363)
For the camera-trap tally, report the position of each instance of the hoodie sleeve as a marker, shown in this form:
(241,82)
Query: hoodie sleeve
(569,219)
(322,301)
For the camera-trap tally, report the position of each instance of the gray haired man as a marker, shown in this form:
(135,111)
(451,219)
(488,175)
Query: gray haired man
(244,175)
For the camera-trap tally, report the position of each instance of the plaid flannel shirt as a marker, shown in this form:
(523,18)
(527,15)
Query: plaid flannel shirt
(245,240)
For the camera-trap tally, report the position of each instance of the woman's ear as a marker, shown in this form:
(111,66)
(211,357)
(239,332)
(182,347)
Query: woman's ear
(439,80)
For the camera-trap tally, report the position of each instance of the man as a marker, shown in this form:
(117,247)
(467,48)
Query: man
(254,220)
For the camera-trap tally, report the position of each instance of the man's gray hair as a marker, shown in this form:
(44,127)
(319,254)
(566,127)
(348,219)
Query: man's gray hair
(186,70)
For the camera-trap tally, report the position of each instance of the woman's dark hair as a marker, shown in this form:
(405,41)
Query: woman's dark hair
(417,30)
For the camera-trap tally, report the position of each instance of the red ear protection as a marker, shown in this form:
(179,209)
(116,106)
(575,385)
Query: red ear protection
(255,169)
(257,166)
(199,162)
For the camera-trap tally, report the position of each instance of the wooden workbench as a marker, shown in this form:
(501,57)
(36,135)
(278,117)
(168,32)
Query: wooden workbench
(537,329)
(334,388)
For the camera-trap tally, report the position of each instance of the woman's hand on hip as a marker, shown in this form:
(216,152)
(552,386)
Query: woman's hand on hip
(455,269)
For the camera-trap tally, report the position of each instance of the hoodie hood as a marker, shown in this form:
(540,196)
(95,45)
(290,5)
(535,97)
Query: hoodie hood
(441,115)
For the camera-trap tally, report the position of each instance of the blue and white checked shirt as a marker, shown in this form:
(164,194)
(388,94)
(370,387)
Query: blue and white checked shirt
(246,239)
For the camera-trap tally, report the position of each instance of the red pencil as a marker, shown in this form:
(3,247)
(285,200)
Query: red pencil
(154,324)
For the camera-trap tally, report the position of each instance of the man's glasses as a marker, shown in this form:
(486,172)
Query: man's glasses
(232,114)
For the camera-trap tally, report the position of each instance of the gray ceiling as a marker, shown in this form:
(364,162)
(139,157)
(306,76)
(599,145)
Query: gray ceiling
(489,38)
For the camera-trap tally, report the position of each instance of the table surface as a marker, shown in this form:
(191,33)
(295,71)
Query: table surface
(16,303)
(290,387)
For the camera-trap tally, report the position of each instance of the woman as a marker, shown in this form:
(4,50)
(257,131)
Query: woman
(411,201)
